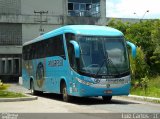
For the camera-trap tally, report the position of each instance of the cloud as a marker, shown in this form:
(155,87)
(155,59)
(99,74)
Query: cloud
(127,8)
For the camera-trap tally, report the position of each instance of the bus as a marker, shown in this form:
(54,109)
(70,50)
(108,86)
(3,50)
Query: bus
(78,60)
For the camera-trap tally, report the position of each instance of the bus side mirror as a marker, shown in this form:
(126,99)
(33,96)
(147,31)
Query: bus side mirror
(76,48)
(133,47)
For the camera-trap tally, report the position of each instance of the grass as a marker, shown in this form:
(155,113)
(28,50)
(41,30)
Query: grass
(153,89)
(7,94)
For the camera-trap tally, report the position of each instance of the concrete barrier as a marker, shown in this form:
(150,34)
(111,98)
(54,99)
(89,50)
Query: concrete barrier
(20,81)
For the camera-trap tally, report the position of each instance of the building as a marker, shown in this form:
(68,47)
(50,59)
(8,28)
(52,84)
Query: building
(23,20)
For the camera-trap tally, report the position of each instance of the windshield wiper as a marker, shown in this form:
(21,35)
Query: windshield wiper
(101,67)
(86,73)
(108,61)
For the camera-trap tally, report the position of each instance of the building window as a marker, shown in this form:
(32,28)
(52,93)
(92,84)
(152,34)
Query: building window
(84,8)
(70,6)
(88,6)
(76,6)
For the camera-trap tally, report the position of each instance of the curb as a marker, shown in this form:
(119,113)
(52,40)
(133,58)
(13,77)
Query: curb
(143,98)
(28,98)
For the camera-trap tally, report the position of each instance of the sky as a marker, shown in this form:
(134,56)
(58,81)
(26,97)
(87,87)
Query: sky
(133,9)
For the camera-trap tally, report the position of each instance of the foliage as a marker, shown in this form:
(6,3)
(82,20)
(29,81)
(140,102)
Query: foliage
(152,90)
(139,67)
(1,83)
(3,86)
(7,94)
(155,58)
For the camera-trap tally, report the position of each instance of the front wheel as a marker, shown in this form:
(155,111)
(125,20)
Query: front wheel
(107,99)
(66,97)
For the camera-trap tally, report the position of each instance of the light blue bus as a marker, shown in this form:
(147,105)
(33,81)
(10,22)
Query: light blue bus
(78,60)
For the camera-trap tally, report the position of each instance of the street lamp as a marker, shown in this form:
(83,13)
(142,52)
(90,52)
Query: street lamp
(136,14)
(144,14)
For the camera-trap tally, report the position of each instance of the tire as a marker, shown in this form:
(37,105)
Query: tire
(66,97)
(33,91)
(107,99)
(32,88)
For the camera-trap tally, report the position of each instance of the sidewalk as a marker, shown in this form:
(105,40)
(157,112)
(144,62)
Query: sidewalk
(19,89)
(15,87)
(143,98)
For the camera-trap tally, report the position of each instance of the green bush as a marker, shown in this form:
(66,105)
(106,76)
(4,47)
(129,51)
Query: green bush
(139,67)
(3,86)
(152,89)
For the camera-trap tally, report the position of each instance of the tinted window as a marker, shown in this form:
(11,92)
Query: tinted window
(45,48)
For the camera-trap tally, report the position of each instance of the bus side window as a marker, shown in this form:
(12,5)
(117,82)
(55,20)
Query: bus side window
(35,54)
(24,52)
(47,49)
(28,52)
(43,49)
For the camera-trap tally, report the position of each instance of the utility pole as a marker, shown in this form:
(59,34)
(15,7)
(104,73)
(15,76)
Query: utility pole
(41,21)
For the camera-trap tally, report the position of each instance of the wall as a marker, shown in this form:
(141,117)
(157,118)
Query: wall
(31,31)
(10,34)
(10,6)
(54,7)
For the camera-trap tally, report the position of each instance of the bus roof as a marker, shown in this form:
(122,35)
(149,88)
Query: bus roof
(91,30)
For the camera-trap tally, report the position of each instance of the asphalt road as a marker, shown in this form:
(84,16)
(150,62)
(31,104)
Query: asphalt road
(52,103)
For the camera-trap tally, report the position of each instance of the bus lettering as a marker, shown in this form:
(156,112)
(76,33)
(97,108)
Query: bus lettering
(55,63)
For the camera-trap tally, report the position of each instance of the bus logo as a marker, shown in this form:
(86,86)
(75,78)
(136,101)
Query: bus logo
(97,80)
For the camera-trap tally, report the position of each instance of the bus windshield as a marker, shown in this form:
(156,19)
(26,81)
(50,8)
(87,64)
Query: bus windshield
(103,55)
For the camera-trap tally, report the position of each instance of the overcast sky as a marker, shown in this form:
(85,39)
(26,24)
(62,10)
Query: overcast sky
(133,9)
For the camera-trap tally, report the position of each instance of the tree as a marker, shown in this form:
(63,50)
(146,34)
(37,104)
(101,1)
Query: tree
(155,58)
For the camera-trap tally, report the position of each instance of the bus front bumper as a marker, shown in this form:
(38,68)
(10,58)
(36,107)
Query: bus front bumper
(88,91)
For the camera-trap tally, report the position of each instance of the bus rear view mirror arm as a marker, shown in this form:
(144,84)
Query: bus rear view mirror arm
(76,48)
(133,48)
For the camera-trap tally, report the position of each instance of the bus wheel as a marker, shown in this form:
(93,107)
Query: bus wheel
(66,97)
(107,99)
(33,91)
(32,88)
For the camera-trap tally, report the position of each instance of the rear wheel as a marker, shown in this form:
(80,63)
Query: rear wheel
(107,99)
(32,88)
(66,97)
(33,91)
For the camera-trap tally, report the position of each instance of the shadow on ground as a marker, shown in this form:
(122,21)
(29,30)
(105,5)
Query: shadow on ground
(86,100)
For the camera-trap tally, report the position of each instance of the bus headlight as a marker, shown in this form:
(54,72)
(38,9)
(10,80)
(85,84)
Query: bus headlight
(83,82)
